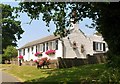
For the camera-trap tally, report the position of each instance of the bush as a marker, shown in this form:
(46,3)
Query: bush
(111,76)
(113,60)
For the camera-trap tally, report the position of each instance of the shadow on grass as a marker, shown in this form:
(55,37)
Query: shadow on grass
(75,75)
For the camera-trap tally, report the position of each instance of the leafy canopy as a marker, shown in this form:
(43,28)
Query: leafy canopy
(10,52)
(11,27)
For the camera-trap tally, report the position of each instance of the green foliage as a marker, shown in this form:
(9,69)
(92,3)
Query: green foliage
(110,76)
(10,26)
(108,26)
(10,52)
(105,16)
(113,60)
(0,58)
(60,13)
(0,43)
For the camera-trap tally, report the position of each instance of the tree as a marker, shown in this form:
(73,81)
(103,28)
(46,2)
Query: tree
(10,52)
(11,27)
(105,16)
(0,34)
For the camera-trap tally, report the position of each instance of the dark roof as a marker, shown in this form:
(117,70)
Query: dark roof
(42,40)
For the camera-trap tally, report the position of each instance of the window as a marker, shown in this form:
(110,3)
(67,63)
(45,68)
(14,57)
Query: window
(50,45)
(56,44)
(74,45)
(32,48)
(104,49)
(53,45)
(28,49)
(23,51)
(41,47)
(20,52)
(46,46)
(98,46)
(36,49)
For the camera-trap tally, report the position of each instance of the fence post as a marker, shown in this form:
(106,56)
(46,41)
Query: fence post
(61,63)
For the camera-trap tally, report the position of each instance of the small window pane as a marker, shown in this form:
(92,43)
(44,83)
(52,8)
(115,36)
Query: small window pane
(46,46)
(43,47)
(53,45)
(94,46)
(50,45)
(104,47)
(100,46)
(56,44)
(36,49)
(20,52)
(23,51)
(28,49)
(32,48)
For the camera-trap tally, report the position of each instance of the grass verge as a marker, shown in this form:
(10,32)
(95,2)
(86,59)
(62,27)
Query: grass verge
(97,73)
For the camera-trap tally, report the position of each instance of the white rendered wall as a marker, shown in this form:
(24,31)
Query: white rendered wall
(98,39)
(31,54)
(80,39)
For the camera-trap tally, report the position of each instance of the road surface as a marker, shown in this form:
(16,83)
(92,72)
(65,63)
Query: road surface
(5,77)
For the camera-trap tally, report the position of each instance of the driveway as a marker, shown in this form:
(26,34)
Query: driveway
(5,77)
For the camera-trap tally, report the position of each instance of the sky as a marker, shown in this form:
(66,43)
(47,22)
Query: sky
(37,29)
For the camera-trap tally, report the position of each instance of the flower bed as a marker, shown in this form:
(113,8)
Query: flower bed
(50,52)
(36,61)
(38,54)
(20,57)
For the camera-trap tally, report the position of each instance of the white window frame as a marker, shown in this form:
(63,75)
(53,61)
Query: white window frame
(98,46)
(53,45)
(47,46)
(50,45)
(20,51)
(28,49)
(38,48)
(41,47)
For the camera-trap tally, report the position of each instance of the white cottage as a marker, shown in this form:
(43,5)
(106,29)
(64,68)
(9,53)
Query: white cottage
(76,44)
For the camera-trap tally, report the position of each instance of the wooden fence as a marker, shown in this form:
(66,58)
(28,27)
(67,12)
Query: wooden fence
(70,62)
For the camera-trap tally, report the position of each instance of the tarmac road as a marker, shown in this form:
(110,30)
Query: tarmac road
(6,78)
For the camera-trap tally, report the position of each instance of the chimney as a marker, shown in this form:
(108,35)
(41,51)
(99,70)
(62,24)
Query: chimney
(74,23)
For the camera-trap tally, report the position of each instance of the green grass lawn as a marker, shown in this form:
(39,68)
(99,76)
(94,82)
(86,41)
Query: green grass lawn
(86,73)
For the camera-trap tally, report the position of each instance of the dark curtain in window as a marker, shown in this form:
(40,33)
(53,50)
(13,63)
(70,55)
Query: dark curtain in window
(104,47)
(93,45)
(43,47)
(23,51)
(28,49)
(46,46)
(56,44)
(36,49)
(32,48)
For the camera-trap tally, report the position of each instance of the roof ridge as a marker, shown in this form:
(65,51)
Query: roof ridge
(41,40)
